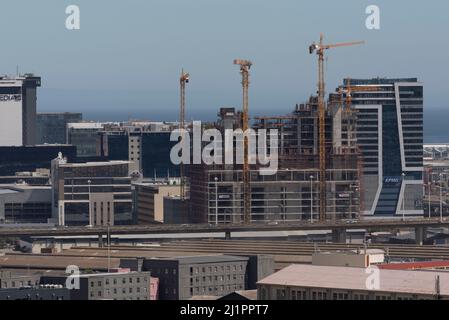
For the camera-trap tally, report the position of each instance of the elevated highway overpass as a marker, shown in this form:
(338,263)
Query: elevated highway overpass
(338,228)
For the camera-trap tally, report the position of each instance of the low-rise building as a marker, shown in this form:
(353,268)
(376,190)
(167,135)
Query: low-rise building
(183,277)
(36,293)
(308,282)
(351,258)
(107,286)
(17,279)
(22,203)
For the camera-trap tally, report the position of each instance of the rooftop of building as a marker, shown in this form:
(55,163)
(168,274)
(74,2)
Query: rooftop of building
(354,252)
(38,146)
(415,265)
(104,274)
(246,294)
(201,298)
(94,164)
(17,274)
(58,113)
(18,77)
(378,80)
(205,259)
(156,185)
(54,262)
(398,281)
(86,125)
(14,188)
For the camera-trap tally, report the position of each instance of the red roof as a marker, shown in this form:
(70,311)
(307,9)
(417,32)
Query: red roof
(415,265)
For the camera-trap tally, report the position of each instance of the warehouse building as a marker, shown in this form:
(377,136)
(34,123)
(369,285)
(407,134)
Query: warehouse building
(308,282)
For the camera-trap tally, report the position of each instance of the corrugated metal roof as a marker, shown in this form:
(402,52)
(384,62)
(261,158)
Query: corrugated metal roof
(399,281)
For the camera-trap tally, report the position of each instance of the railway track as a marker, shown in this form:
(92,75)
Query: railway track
(277,248)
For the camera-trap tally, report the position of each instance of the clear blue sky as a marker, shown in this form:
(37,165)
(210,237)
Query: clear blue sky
(127,57)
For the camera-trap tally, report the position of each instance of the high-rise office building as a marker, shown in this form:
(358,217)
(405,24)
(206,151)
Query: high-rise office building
(18,97)
(92,193)
(14,160)
(148,151)
(52,127)
(390,138)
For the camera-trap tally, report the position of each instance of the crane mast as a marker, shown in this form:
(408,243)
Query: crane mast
(245,66)
(319,49)
(185,77)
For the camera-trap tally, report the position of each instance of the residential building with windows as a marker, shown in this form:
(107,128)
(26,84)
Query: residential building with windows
(107,286)
(180,278)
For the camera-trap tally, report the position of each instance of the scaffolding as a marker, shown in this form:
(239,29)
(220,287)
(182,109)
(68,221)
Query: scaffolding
(293,193)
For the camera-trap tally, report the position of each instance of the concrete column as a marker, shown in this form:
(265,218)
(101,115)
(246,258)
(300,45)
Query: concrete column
(339,235)
(420,235)
(108,239)
(228,235)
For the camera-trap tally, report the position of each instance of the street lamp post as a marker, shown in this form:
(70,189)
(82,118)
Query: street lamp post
(90,206)
(403,198)
(216,200)
(109,248)
(430,194)
(441,197)
(311,199)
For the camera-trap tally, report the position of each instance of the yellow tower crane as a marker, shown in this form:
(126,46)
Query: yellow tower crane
(319,49)
(185,78)
(245,66)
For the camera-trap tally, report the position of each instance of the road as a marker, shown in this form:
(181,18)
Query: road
(371,225)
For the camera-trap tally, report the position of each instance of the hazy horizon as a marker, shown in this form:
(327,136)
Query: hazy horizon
(126,59)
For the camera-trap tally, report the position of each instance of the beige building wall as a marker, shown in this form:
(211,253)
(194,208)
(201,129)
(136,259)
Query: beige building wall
(150,202)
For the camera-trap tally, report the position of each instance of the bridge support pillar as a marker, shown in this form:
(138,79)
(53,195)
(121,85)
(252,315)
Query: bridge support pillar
(100,241)
(339,235)
(420,235)
(228,235)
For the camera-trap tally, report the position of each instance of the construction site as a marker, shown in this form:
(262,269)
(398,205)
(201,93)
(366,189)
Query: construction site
(319,166)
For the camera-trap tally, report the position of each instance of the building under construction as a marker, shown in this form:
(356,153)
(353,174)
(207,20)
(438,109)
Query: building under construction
(293,193)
